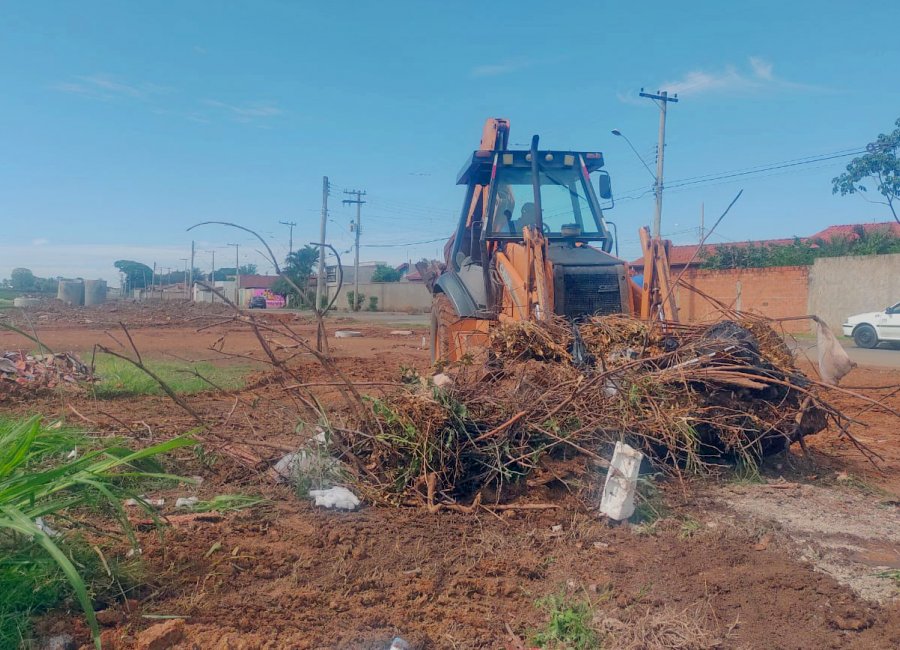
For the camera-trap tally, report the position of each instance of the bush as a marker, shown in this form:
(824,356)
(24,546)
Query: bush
(355,301)
(373,303)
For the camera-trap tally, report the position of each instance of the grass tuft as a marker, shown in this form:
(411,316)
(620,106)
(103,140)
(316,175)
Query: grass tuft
(569,625)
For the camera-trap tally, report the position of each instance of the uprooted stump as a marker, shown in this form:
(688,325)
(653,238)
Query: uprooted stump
(690,397)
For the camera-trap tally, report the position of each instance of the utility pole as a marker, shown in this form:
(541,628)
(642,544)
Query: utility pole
(184,278)
(356,227)
(702,225)
(212,275)
(191,280)
(320,276)
(237,275)
(289,224)
(662,100)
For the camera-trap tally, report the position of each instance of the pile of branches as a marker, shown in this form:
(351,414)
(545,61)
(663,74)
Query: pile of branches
(690,397)
(23,374)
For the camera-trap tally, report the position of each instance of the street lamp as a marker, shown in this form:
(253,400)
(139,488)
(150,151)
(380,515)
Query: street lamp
(618,133)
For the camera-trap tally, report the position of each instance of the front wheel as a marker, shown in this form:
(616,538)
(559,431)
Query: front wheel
(442,316)
(865,336)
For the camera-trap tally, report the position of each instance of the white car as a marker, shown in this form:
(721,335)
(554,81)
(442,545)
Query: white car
(868,330)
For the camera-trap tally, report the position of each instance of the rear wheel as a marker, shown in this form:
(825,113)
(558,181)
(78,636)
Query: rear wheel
(442,316)
(865,336)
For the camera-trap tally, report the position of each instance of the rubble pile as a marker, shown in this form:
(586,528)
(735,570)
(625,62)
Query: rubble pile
(23,374)
(689,397)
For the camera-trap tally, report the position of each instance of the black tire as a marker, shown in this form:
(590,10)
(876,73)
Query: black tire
(865,336)
(442,316)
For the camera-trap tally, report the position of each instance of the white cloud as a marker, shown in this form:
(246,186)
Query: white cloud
(106,87)
(248,111)
(40,241)
(498,69)
(757,76)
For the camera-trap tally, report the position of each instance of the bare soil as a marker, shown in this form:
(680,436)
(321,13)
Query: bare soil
(756,566)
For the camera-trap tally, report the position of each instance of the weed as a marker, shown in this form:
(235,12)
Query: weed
(206,458)
(119,378)
(689,528)
(227,503)
(745,473)
(650,506)
(38,479)
(570,624)
(893,574)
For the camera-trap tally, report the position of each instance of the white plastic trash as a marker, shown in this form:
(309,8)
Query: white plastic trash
(621,483)
(336,497)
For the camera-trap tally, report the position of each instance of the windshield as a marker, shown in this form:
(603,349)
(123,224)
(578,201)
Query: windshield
(564,202)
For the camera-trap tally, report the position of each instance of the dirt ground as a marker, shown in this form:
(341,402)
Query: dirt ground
(799,557)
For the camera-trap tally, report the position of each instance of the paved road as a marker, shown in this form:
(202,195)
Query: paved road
(882,356)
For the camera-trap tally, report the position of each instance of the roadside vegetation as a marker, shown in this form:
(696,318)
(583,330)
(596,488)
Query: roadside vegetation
(801,252)
(51,476)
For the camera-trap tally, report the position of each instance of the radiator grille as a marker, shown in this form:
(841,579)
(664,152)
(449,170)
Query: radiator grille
(591,293)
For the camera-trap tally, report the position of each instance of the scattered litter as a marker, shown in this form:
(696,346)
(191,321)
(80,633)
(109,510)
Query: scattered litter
(133,551)
(337,497)
(621,483)
(347,334)
(399,644)
(834,362)
(59,642)
(39,522)
(72,455)
(556,528)
(186,502)
(442,380)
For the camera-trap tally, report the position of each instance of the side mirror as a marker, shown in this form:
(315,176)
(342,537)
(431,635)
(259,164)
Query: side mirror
(604,186)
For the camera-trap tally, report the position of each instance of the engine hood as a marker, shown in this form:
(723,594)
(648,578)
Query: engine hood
(864,318)
(566,255)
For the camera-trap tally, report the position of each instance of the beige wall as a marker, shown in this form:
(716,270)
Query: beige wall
(410,297)
(842,286)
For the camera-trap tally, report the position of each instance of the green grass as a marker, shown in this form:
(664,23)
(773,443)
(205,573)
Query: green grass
(38,479)
(119,378)
(570,624)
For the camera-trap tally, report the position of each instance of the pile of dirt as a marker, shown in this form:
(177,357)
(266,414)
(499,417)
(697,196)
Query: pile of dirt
(550,392)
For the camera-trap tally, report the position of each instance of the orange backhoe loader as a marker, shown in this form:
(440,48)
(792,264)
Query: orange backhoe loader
(531,242)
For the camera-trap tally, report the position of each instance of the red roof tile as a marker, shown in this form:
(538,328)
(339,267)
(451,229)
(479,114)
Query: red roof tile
(258,281)
(850,231)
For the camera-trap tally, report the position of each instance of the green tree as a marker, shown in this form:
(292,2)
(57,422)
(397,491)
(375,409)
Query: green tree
(879,165)
(137,274)
(248,269)
(385,273)
(298,267)
(22,279)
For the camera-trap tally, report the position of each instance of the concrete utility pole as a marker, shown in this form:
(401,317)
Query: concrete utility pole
(662,99)
(702,225)
(237,275)
(289,224)
(357,228)
(320,276)
(184,279)
(191,279)
(212,274)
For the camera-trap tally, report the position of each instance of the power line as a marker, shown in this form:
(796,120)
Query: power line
(411,243)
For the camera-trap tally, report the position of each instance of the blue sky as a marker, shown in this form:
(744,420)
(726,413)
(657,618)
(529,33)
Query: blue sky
(123,123)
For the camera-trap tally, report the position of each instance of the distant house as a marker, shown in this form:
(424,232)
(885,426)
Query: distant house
(260,285)
(687,255)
